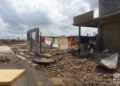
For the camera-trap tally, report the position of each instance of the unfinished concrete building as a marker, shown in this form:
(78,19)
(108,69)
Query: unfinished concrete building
(108,23)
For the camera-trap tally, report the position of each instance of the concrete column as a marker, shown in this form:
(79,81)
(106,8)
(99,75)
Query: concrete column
(99,30)
(100,35)
(40,42)
(79,41)
(37,42)
(28,42)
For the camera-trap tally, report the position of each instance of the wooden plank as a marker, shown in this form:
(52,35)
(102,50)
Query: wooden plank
(8,76)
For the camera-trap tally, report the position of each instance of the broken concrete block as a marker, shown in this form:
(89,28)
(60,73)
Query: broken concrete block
(40,83)
(46,55)
(91,51)
(106,51)
(62,81)
(5,49)
(3,58)
(110,62)
(57,81)
(68,82)
(44,61)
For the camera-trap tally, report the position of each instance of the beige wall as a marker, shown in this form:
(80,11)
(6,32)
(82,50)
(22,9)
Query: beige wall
(111,35)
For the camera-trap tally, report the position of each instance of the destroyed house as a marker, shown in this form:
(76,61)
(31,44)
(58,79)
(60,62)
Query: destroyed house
(108,23)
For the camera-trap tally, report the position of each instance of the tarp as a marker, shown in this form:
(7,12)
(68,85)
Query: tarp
(48,41)
(63,43)
(57,42)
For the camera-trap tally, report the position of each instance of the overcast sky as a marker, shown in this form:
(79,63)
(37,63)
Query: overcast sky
(53,17)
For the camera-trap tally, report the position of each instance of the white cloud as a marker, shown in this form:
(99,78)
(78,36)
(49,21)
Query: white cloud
(96,12)
(53,17)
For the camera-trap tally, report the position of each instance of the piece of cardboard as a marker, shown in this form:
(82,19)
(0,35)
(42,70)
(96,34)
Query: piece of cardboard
(8,76)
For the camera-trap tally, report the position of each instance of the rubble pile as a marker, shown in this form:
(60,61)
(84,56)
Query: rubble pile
(20,49)
(81,70)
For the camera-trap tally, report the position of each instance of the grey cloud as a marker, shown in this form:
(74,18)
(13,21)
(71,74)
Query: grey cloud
(39,18)
(93,3)
(10,15)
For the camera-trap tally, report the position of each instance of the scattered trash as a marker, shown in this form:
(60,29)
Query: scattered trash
(21,57)
(110,62)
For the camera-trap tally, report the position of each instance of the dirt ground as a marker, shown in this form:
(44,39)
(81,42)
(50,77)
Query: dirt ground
(82,71)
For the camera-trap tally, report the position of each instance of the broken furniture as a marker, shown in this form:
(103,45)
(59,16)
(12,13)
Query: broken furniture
(30,40)
(8,76)
(110,62)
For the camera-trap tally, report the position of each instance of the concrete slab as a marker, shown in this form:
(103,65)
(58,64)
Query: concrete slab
(110,62)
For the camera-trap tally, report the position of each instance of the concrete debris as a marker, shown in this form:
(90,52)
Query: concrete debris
(67,70)
(61,67)
(110,62)
(21,57)
(106,51)
(68,82)
(3,58)
(5,49)
(44,61)
(57,81)
(91,51)
(46,55)
(15,50)
(40,83)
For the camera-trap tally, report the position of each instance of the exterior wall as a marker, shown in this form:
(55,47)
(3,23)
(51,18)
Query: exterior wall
(108,6)
(111,35)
